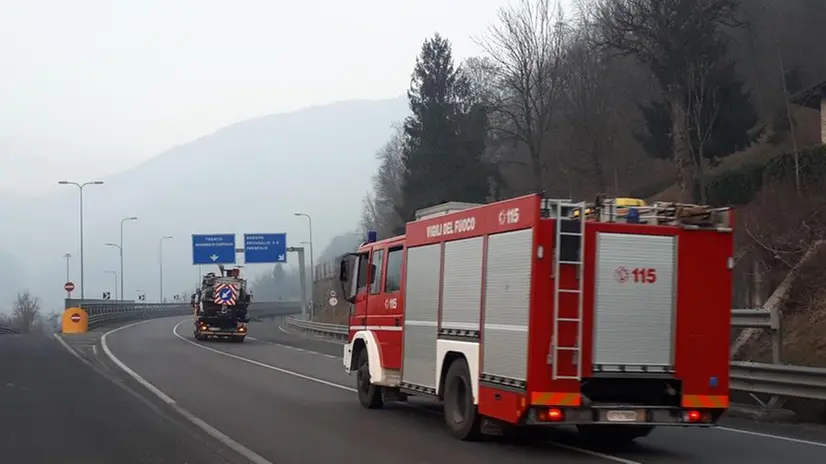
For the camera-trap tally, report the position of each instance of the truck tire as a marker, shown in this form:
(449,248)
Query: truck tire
(238,338)
(613,435)
(461,415)
(369,394)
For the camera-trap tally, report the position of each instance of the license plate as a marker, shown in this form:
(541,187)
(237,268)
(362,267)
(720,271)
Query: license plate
(215,329)
(621,416)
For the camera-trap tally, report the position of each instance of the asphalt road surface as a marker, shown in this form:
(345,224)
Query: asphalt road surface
(65,408)
(283,398)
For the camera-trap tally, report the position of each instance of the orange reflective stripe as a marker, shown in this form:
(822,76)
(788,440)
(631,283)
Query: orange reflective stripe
(555,399)
(705,401)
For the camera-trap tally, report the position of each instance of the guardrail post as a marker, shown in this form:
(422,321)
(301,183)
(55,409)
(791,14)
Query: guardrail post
(777,336)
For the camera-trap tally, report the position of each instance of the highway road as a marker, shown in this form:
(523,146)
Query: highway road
(283,398)
(57,407)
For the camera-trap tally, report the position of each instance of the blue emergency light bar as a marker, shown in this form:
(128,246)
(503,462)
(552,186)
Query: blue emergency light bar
(371,236)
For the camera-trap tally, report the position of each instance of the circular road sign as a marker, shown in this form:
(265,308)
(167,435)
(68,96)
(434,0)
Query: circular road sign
(333,301)
(75,317)
(69,286)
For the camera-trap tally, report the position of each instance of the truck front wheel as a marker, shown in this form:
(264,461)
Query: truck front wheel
(369,394)
(461,415)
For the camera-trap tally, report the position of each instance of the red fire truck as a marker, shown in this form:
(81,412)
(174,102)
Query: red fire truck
(541,312)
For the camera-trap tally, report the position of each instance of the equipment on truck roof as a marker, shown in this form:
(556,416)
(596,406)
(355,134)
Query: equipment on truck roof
(612,315)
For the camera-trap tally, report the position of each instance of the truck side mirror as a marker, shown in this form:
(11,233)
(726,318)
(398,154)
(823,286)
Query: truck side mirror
(343,271)
(248,298)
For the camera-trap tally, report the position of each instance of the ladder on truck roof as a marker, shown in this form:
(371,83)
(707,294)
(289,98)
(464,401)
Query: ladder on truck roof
(568,225)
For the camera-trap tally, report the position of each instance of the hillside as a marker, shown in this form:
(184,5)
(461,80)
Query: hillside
(247,177)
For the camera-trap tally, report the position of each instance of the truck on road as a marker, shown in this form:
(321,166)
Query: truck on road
(533,312)
(220,306)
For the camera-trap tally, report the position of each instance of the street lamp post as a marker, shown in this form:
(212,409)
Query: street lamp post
(160,262)
(67,256)
(80,189)
(312,262)
(115,276)
(132,218)
(120,250)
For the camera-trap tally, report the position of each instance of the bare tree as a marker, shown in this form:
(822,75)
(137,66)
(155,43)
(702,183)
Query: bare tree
(668,37)
(25,311)
(589,105)
(528,48)
(5,320)
(703,106)
(381,206)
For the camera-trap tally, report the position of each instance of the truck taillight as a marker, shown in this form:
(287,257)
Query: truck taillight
(550,415)
(694,416)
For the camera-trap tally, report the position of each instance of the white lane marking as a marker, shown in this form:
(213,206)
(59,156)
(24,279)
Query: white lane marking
(66,345)
(294,348)
(298,334)
(607,457)
(212,431)
(776,437)
(259,364)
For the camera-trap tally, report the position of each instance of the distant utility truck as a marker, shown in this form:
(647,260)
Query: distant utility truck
(221,306)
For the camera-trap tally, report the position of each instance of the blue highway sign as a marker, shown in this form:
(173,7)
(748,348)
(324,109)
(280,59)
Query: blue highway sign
(213,249)
(265,248)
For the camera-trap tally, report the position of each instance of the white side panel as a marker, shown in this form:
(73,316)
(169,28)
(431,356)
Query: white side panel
(507,304)
(633,311)
(471,352)
(421,309)
(462,291)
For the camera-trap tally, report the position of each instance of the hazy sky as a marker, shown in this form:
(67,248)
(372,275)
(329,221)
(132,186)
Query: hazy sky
(92,87)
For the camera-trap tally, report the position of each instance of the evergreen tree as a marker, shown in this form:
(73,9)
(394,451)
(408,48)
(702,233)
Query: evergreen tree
(444,137)
(726,113)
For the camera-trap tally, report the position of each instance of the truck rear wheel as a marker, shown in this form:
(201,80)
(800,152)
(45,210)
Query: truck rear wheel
(369,394)
(461,415)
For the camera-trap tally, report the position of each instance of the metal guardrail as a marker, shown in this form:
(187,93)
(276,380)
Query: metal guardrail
(331,330)
(779,379)
(755,318)
(108,312)
(8,330)
(103,314)
(769,379)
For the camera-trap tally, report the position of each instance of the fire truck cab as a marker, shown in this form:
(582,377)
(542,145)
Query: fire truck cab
(540,312)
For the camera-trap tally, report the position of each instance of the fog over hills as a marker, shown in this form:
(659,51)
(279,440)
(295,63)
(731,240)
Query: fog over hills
(249,177)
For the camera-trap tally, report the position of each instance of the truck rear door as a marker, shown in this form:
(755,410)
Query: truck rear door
(634,314)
